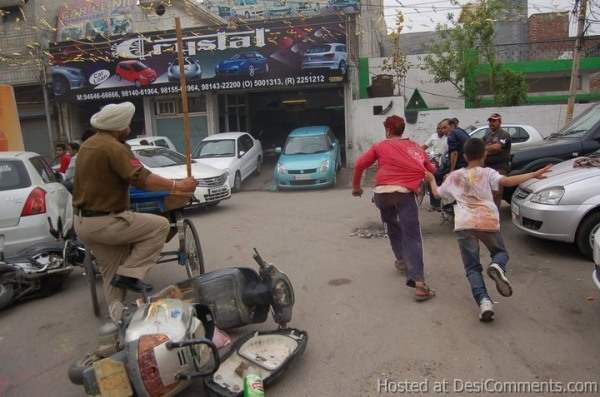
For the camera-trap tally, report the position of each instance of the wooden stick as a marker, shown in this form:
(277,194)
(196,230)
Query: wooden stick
(184,99)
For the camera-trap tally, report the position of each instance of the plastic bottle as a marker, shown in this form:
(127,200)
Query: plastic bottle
(253,384)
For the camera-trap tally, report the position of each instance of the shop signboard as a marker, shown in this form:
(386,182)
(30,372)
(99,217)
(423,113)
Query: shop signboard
(268,54)
(264,9)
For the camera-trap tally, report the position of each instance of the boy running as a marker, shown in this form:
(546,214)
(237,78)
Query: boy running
(477,219)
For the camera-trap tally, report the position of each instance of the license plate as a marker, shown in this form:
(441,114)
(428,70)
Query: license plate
(217,191)
(302,177)
(112,378)
(515,209)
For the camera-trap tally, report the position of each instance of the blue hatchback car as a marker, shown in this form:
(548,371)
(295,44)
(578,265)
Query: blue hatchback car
(310,158)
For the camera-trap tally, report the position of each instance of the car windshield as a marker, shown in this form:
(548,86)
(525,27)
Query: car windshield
(218,148)
(581,124)
(13,175)
(307,144)
(319,49)
(159,157)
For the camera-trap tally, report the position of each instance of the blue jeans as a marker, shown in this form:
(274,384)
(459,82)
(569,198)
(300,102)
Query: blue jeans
(468,242)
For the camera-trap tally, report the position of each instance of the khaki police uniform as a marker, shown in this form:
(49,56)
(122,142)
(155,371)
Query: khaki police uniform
(124,242)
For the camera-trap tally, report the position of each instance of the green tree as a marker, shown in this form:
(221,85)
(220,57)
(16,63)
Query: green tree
(511,88)
(466,41)
(397,65)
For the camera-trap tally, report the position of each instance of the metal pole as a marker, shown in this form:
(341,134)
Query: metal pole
(43,79)
(576,58)
(184,99)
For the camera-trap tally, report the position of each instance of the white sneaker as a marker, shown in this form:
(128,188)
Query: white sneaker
(486,310)
(502,284)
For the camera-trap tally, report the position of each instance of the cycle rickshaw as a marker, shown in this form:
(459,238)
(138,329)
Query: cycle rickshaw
(189,253)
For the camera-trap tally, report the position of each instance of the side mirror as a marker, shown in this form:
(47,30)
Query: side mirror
(278,150)
(241,154)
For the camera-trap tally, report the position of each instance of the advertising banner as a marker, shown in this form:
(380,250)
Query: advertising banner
(312,52)
(262,9)
(10,127)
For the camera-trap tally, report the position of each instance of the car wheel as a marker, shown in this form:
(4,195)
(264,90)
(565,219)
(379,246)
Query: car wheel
(237,182)
(585,234)
(60,85)
(342,67)
(334,181)
(258,166)
(6,295)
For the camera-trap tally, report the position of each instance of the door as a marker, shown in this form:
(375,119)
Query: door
(250,158)
(58,198)
(15,186)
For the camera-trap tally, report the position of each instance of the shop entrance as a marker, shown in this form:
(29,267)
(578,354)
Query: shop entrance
(273,115)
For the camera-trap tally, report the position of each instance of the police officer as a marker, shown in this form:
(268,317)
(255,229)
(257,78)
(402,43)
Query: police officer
(497,145)
(126,244)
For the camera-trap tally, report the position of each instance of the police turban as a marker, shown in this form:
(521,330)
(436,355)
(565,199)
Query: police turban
(113,117)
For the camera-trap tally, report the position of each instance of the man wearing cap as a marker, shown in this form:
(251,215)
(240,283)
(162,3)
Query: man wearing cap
(126,244)
(497,145)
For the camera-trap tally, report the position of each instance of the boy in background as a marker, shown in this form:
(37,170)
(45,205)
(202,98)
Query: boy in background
(477,219)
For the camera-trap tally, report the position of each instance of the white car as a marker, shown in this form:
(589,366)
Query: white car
(236,152)
(212,183)
(160,141)
(522,135)
(34,202)
(326,56)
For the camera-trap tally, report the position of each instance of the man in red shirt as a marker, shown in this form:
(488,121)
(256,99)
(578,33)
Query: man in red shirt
(63,158)
(402,164)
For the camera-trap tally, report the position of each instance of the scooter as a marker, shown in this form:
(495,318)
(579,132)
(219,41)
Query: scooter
(37,271)
(166,342)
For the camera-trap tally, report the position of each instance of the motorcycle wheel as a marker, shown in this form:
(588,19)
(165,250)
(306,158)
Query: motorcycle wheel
(194,265)
(6,295)
(90,275)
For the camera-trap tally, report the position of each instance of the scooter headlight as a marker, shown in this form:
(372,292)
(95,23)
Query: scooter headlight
(283,294)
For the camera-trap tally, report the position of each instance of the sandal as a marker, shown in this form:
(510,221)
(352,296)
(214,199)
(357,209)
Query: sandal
(423,293)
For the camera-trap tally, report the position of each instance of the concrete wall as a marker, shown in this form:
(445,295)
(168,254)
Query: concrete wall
(545,118)
(436,95)
(363,127)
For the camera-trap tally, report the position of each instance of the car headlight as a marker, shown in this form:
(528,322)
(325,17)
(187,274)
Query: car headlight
(324,166)
(281,169)
(550,196)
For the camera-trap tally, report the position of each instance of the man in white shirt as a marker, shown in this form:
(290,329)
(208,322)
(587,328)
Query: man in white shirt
(437,144)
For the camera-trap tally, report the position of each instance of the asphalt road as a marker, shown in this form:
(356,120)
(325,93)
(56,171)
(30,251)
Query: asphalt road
(365,329)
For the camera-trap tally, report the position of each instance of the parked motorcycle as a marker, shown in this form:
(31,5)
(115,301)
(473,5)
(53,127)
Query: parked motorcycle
(166,342)
(34,272)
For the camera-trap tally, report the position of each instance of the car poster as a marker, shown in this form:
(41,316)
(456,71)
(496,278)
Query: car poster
(254,55)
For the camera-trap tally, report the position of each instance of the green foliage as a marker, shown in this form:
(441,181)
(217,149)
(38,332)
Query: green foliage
(511,88)
(466,41)
(396,65)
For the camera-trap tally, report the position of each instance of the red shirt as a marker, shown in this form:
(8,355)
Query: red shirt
(64,163)
(400,162)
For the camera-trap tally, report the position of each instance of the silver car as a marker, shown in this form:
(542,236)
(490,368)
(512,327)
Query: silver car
(522,135)
(563,207)
(33,202)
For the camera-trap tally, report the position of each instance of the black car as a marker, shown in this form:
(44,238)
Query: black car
(579,138)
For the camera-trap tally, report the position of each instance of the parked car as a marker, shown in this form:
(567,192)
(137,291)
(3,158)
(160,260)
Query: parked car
(563,207)
(280,10)
(596,272)
(65,79)
(192,68)
(248,63)
(248,9)
(212,183)
(136,72)
(160,141)
(579,138)
(236,152)
(310,158)
(34,202)
(326,56)
(522,135)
